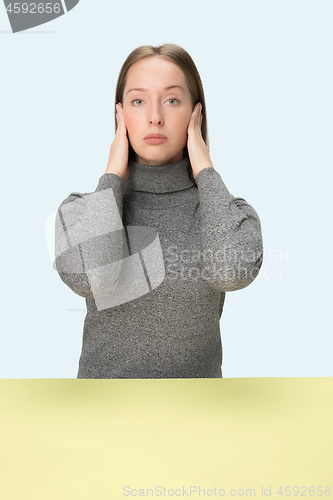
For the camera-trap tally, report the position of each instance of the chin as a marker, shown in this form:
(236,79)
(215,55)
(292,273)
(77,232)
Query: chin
(157,155)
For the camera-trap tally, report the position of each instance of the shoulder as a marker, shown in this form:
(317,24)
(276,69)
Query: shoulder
(74,196)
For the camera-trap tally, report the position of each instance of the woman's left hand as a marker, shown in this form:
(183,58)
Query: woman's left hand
(197,149)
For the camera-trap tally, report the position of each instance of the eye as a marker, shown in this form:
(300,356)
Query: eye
(134,100)
(173,99)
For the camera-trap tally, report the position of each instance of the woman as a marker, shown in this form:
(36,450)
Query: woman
(161,240)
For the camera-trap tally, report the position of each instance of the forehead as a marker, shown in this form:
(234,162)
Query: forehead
(154,73)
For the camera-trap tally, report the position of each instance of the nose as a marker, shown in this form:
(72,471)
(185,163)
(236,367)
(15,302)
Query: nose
(155,116)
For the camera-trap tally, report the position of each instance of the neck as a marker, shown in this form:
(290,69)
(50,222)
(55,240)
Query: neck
(159,178)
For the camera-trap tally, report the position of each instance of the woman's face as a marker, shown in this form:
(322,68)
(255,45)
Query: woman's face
(154,109)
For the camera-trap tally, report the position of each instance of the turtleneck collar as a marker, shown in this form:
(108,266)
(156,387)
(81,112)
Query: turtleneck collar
(159,178)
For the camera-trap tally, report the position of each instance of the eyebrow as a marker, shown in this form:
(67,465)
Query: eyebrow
(166,88)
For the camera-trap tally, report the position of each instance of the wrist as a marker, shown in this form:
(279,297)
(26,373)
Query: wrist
(111,171)
(207,166)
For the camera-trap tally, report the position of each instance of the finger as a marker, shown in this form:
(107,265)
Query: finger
(193,115)
(121,115)
(198,112)
(121,120)
(198,116)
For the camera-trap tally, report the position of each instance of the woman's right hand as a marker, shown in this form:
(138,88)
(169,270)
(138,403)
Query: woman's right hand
(118,158)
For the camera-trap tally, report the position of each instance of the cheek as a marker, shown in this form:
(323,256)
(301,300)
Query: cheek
(186,122)
(181,123)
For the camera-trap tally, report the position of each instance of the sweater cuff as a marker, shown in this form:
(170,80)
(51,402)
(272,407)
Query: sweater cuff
(110,180)
(210,181)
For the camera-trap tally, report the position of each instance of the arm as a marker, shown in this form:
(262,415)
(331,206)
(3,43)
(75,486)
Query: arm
(231,234)
(230,228)
(89,234)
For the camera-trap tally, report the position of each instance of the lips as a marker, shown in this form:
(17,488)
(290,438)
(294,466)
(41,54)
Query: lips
(155,136)
(155,139)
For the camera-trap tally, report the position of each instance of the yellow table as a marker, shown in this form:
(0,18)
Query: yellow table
(189,438)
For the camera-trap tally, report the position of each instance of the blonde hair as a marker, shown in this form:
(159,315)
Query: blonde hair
(179,56)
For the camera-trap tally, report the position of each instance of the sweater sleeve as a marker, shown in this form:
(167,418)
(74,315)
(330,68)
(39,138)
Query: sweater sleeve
(230,232)
(90,241)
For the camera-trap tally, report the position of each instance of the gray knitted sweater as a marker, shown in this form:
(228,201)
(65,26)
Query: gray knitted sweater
(153,258)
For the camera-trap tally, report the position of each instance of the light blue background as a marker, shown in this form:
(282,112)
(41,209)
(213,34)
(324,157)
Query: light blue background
(266,68)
